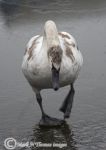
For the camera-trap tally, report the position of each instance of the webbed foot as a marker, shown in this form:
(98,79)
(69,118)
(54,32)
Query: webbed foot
(48,121)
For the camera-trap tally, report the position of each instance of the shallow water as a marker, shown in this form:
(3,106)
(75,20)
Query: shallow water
(19,112)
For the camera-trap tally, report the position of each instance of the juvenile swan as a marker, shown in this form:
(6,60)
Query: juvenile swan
(52,60)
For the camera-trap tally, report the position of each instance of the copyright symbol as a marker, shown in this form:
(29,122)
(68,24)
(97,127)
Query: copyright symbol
(10,143)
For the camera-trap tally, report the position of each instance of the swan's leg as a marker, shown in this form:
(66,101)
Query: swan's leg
(46,120)
(39,100)
(67,104)
(70,103)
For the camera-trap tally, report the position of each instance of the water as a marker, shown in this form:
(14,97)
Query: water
(19,112)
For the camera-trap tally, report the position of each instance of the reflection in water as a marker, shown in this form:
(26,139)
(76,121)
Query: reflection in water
(35,9)
(9,9)
(63,135)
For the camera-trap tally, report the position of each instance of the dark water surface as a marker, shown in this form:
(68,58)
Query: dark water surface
(19,112)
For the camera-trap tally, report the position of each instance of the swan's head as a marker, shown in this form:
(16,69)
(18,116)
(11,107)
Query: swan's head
(55,58)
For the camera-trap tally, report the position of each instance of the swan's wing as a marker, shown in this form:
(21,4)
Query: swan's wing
(68,39)
(32,44)
(68,45)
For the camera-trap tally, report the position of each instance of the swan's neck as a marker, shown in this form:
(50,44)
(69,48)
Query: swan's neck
(51,44)
(51,34)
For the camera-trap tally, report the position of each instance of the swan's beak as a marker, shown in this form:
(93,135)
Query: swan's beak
(55,78)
